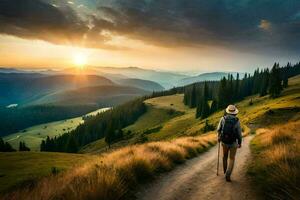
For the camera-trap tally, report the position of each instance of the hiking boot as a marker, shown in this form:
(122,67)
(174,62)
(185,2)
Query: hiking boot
(228,179)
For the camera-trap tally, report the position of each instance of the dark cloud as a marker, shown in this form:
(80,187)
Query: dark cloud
(37,19)
(244,24)
(219,22)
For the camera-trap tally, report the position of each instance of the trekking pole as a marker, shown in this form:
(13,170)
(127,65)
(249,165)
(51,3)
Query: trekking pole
(218,159)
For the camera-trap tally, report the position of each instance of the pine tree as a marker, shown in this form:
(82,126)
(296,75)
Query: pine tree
(222,94)
(237,87)
(214,106)
(199,109)
(230,90)
(1,144)
(264,83)
(110,135)
(23,147)
(285,81)
(5,146)
(275,81)
(205,109)
(193,97)
(43,146)
(72,146)
(256,82)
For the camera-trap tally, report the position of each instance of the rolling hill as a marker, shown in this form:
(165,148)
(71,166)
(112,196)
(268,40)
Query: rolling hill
(142,84)
(24,88)
(103,96)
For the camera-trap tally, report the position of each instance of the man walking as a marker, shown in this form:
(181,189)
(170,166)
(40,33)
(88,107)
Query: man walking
(230,134)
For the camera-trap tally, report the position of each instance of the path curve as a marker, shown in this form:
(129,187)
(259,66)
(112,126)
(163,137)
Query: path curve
(196,179)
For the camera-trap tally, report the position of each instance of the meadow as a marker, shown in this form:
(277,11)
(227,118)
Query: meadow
(34,135)
(20,168)
(114,175)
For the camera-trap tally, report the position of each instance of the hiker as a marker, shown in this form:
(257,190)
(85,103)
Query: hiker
(230,134)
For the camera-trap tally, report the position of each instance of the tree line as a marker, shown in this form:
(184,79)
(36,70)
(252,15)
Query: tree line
(210,96)
(6,147)
(106,125)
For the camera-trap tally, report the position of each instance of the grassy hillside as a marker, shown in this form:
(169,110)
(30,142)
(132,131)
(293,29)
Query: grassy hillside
(19,168)
(34,135)
(114,175)
(106,96)
(277,176)
(142,84)
(263,111)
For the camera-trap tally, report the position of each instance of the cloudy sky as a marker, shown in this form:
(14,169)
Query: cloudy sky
(181,35)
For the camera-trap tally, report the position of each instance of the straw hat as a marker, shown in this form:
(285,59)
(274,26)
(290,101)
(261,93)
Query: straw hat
(231,109)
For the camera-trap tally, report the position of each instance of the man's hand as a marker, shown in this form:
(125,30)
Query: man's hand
(239,145)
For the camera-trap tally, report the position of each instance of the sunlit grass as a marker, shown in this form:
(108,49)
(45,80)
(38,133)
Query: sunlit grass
(114,175)
(19,167)
(276,162)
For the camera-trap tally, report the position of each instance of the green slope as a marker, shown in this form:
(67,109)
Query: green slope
(17,168)
(263,110)
(34,135)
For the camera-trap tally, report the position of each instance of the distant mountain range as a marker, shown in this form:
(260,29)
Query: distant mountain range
(31,88)
(166,79)
(102,96)
(133,75)
(142,84)
(24,87)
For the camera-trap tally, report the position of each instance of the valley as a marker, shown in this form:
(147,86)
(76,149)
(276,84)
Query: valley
(183,124)
(34,135)
(167,131)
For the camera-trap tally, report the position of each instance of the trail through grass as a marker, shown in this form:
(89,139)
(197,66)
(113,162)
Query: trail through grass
(113,175)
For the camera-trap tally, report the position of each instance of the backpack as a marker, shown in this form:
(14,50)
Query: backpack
(229,132)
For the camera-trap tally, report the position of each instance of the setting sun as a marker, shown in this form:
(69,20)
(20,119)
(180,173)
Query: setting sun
(79,60)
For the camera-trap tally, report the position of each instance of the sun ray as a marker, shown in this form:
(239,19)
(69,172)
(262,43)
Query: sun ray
(80,60)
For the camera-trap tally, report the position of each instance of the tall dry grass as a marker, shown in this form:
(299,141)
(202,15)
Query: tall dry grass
(276,165)
(114,175)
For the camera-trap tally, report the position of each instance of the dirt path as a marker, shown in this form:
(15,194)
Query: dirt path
(196,179)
